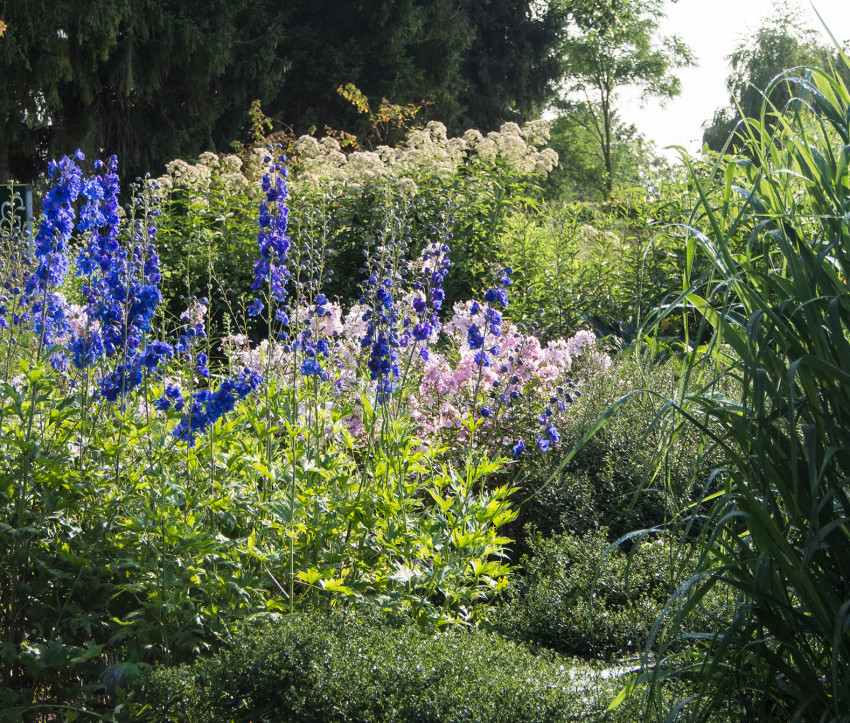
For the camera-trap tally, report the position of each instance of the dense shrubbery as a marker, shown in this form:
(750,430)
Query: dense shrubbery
(637,472)
(581,595)
(324,667)
(604,266)
(273,450)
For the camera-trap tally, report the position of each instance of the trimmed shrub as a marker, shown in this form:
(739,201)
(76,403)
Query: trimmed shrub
(335,667)
(580,597)
(637,472)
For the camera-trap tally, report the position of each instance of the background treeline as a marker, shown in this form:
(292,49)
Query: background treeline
(152,80)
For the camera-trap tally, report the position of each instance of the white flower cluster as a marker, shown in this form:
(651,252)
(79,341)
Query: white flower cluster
(427,152)
(198,179)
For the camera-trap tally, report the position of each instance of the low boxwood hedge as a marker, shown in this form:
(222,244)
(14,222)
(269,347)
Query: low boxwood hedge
(337,667)
(580,596)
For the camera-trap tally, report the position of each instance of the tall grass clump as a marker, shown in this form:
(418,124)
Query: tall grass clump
(767,271)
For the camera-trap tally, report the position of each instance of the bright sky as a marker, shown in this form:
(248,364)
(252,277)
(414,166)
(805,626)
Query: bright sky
(713,29)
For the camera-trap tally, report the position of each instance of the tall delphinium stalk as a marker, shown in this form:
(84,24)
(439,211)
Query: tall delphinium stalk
(428,294)
(120,287)
(44,308)
(121,290)
(271,276)
(307,339)
(484,341)
(315,379)
(99,219)
(40,304)
(386,266)
(40,308)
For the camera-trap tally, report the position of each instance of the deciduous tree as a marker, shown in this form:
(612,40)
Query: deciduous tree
(783,42)
(613,44)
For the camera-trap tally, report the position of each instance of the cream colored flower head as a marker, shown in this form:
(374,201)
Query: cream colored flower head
(209,159)
(536,132)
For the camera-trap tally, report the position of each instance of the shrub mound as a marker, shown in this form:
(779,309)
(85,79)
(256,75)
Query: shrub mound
(637,472)
(578,597)
(336,667)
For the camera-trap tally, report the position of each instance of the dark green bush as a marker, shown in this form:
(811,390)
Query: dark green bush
(337,668)
(634,473)
(579,597)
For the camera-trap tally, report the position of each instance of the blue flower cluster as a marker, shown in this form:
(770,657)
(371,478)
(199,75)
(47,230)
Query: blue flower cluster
(171,397)
(121,290)
(206,406)
(475,336)
(315,350)
(121,285)
(507,391)
(387,266)
(270,270)
(548,434)
(39,304)
(435,264)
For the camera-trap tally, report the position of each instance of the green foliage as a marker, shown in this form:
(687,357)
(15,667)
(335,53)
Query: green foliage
(113,552)
(122,546)
(322,667)
(637,472)
(117,538)
(580,174)
(782,42)
(779,312)
(614,48)
(581,595)
(605,266)
(207,242)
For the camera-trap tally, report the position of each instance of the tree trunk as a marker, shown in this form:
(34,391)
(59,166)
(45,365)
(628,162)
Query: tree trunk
(5,172)
(606,147)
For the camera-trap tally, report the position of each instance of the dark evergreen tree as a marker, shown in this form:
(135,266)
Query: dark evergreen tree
(146,79)
(513,63)
(405,51)
(151,80)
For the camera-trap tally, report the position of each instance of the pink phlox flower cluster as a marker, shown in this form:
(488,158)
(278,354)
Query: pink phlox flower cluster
(458,327)
(354,425)
(355,326)
(80,322)
(584,343)
(536,362)
(258,358)
(524,379)
(195,313)
(580,340)
(327,326)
